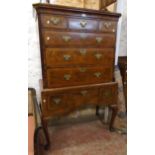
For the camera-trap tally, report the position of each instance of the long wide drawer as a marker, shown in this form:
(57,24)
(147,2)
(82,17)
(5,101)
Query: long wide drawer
(72,39)
(78,56)
(60,101)
(71,76)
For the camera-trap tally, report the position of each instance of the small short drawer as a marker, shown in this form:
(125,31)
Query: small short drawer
(55,57)
(72,76)
(53,21)
(108,94)
(83,24)
(54,103)
(108,26)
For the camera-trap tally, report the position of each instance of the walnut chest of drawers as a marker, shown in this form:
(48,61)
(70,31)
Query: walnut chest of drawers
(77,56)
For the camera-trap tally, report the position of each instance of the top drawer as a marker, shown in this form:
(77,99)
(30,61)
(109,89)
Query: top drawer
(108,26)
(53,21)
(83,24)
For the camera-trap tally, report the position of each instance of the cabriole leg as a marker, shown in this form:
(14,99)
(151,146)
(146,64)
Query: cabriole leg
(113,116)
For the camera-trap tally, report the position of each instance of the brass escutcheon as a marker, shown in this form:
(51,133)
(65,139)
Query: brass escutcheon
(113,30)
(48,22)
(83,36)
(47,38)
(107,24)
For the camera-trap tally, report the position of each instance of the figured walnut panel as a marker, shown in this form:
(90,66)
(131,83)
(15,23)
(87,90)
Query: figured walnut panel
(61,101)
(109,94)
(57,57)
(76,39)
(72,76)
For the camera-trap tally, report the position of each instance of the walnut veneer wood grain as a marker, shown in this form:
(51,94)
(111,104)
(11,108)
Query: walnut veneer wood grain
(61,101)
(63,57)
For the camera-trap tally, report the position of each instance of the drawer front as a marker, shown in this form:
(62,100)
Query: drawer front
(85,96)
(108,26)
(61,101)
(53,21)
(83,24)
(108,94)
(78,56)
(72,39)
(55,103)
(72,76)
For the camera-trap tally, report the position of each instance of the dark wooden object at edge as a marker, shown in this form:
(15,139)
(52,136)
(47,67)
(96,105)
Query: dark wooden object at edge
(40,129)
(122,62)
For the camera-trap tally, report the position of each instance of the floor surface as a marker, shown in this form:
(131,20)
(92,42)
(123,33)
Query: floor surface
(90,138)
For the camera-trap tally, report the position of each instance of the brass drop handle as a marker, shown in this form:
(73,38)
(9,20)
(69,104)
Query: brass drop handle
(84,92)
(98,56)
(67,57)
(82,69)
(57,100)
(98,74)
(66,38)
(83,51)
(99,39)
(67,76)
(55,20)
(83,23)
